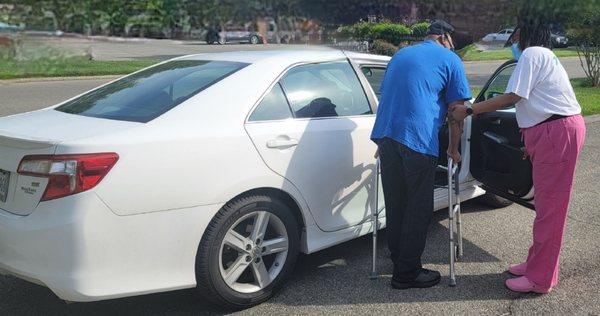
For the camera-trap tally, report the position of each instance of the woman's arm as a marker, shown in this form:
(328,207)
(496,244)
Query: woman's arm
(459,112)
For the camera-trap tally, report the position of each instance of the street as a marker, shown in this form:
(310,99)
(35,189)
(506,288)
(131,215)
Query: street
(478,72)
(335,280)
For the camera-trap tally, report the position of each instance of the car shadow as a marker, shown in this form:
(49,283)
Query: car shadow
(334,276)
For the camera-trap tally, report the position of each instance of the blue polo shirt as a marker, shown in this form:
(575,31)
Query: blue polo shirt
(419,83)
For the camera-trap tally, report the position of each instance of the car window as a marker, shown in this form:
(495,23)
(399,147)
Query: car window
(325,90)
(274,106)
(149,93)
(499,82)
(375,77)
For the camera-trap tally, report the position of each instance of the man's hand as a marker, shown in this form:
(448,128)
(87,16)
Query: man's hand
(457,112)
(376,153)
(454,154)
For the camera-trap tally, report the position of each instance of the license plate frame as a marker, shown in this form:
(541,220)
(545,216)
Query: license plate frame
(4,184)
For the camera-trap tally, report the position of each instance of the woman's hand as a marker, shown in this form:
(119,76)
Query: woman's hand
(458,112)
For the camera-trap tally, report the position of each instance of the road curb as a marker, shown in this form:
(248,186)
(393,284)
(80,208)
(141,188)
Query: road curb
(592,119)
(46,79)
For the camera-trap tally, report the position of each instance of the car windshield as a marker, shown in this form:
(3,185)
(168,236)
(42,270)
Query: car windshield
(149,93)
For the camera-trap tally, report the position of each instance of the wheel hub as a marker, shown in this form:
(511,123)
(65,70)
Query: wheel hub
(266,237)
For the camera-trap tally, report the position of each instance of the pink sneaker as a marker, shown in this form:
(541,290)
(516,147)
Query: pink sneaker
(522,284)
(518,269)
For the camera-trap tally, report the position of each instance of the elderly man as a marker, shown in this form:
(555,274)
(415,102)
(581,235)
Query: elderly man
(420,83)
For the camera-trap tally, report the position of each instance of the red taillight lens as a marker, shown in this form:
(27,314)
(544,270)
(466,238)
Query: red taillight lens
(68,174)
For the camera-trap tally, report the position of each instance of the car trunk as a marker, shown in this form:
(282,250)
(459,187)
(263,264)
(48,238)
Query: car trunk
(39,133)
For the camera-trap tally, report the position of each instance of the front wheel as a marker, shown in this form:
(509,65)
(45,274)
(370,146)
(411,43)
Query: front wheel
(247,252)
(254,39)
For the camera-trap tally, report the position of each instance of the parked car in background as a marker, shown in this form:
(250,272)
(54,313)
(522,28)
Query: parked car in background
(501,36)
(4,27)
(233,34)
(173,177)
(559,35)
(246,34)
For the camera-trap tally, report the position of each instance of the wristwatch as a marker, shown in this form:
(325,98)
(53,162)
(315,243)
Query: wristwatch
(469,108)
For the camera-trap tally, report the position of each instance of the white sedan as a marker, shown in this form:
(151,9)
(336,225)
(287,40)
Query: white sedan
(212,171)
(501,36)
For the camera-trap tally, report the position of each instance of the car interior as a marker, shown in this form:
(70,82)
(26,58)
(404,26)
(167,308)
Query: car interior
(497,148)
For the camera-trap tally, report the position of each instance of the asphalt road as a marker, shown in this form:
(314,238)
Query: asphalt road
(334,281)
(26,95)
(478,72)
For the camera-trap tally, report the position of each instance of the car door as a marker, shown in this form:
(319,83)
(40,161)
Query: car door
(313,128)
(497,148)
(503,35)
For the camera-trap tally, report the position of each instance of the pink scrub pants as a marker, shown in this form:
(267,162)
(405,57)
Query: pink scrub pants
(554,148)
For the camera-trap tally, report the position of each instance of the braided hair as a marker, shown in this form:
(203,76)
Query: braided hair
(534,30)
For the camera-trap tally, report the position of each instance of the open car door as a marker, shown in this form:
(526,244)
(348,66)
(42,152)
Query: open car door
(497,148)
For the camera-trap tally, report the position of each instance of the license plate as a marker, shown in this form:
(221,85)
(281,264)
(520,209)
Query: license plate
(4,179)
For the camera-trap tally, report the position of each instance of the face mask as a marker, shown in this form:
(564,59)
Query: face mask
(516,51)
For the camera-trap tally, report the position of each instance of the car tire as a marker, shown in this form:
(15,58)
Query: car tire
(254,39)
(218,279)
(494,201)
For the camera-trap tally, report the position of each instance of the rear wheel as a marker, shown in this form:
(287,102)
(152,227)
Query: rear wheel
(254,39)
(494,201)
(247,252)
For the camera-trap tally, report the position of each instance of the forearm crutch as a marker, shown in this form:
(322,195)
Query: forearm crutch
(375,221)
(456,244)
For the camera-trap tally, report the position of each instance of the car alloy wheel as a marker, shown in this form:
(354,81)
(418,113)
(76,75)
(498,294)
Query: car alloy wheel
(253,252)
(247,251)
(254,39)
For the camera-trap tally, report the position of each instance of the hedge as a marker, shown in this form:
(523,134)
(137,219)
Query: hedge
(389,32)
(420,29)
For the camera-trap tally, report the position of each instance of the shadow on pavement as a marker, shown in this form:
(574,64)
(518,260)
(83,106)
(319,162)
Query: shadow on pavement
(338,275)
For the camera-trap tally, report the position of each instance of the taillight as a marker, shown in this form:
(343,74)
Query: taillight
(68,174)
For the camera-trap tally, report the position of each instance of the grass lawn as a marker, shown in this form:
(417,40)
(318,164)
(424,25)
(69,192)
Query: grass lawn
(470,53)
(588,97)
(68,66)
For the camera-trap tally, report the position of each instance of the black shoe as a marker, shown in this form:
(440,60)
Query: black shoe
(425,278)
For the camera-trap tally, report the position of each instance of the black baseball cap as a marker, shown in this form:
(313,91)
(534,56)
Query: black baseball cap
(440,27)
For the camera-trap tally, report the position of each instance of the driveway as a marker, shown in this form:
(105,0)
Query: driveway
(335,280)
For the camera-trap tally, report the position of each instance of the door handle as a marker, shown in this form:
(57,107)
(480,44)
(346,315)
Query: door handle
(495,121)
(282,142)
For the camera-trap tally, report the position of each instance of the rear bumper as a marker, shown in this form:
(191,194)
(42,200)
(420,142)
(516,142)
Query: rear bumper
(83,252)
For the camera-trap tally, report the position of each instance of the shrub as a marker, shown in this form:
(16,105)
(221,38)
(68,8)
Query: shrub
(363,31)
(382,47)
(586,35)
(420,29)
(391,33)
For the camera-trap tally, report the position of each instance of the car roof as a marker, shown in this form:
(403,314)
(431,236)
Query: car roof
(289,57)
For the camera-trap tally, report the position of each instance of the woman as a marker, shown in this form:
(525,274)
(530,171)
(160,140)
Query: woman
(554,131)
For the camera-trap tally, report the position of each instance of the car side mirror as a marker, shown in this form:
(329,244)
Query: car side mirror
(493,94)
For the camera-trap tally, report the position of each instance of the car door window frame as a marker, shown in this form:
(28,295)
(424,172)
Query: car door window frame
(330,117)
(359,76)
(481,95)
(372,65)
(262,98)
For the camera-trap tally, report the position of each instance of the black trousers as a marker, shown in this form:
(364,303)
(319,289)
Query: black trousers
(408,182)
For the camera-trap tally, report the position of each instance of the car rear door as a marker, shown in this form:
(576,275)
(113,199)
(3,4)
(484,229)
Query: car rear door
(313,128)
(497,148)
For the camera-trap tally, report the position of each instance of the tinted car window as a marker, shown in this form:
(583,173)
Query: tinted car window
(325,90)
(147,94)
(375,77)
(499,83)
(273,106)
